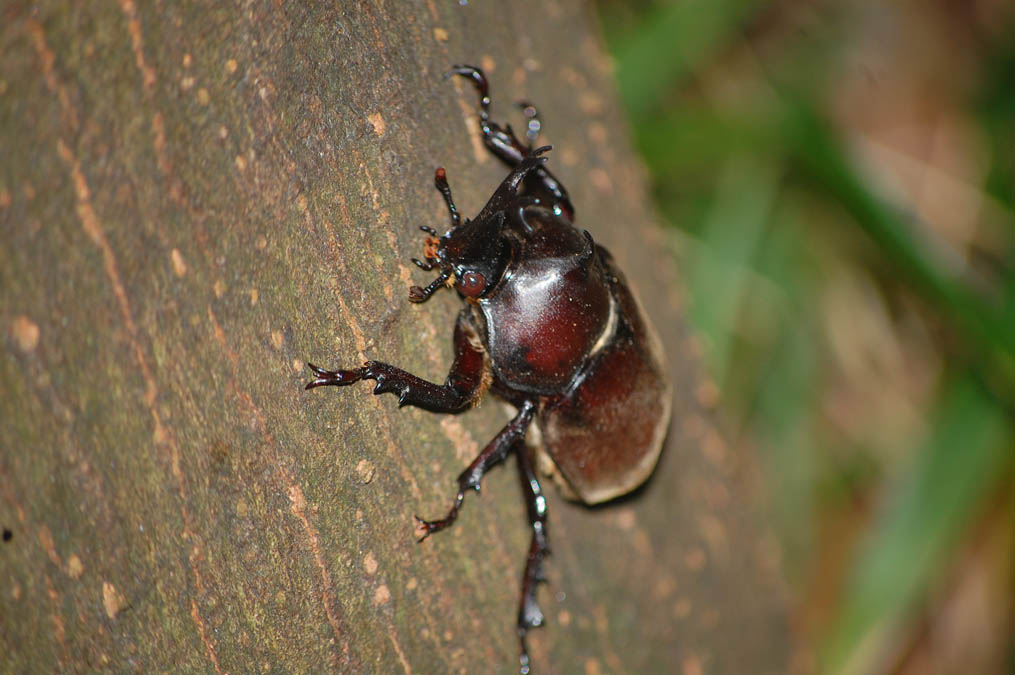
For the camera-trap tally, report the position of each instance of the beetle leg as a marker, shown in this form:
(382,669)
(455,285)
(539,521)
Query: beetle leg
(462,388)
(529,614)
(420,294)
(503,143)
(495,451)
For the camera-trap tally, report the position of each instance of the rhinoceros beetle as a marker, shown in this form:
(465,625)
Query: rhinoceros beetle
(550,326)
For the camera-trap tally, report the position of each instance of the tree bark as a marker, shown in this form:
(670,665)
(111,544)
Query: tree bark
(198,198)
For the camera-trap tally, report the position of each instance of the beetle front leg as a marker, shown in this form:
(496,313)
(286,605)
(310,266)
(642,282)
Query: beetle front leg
(495,451)
(529,613)
(464,385)
(503,143)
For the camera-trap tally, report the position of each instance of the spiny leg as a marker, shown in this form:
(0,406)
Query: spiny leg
(503,143)
(529,614)
(461,388)
(495,451)
(419,294)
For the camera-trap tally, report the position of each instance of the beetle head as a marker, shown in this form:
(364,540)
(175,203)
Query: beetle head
(472,255)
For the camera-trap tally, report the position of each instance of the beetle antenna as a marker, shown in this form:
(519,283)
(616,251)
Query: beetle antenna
(440,179)
(417,294)
(429,230)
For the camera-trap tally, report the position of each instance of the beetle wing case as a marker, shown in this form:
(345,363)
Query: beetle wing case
(606,433)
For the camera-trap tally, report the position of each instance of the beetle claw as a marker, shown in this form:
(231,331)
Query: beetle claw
(384,386)
(335,378)
(422,527)
(428,527)
(418,294)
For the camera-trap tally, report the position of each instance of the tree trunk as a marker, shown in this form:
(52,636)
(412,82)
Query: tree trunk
(198,198)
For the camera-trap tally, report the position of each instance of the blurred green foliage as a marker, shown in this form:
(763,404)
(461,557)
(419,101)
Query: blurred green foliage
(807,278)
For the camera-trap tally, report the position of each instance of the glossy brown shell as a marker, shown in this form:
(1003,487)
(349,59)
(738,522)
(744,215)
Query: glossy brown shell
(605,435)
(549,311)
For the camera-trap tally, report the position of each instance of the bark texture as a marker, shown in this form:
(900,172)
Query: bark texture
(195,199)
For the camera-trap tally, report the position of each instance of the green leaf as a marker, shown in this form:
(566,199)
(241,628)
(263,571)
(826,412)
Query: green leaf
(966,455)
(671,42)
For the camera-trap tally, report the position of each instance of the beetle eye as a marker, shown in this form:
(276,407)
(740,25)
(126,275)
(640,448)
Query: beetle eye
(472,284)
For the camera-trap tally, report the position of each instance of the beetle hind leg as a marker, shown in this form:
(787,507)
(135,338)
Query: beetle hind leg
(529,614)
(470,479)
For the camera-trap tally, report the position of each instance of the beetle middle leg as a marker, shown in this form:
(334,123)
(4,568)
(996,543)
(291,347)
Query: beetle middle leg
(464,385)
(495,452)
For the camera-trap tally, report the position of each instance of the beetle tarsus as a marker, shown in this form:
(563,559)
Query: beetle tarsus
(419,294)
(428,527)
(529,613)
(479,82)
(334,378)
(509,438)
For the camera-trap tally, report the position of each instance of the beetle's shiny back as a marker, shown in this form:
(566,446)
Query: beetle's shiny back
(550,311)
(606,434)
